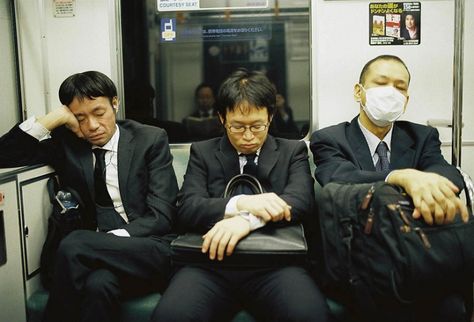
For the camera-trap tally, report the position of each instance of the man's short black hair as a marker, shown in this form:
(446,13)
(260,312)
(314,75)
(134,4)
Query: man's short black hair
(246,88)
(364,71)
(89,85)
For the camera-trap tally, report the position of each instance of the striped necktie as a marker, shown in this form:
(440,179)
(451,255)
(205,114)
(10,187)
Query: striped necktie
(383,164)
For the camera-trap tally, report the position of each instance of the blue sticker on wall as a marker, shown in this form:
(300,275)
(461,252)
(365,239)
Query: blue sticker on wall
(168,29)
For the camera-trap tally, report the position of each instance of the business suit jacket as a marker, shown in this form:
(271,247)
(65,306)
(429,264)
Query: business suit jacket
(147,180)
(341,153)
(282,168)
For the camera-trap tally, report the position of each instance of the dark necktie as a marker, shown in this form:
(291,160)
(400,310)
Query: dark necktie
(382,164)
(250,167)
(102,197)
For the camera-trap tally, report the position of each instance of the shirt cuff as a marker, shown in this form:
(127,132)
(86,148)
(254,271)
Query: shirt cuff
(231,211)
(119,232)
(231,207)
(254,221)
(35,129)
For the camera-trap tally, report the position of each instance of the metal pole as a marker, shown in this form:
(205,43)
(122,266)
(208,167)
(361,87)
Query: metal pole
(457,81)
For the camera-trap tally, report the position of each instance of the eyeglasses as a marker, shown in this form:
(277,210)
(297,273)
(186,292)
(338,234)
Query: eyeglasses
(242,128)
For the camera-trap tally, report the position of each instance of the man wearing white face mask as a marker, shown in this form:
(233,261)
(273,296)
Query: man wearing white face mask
(383,104)
(374,146)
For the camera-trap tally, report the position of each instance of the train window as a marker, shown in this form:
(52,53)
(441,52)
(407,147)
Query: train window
(174,59)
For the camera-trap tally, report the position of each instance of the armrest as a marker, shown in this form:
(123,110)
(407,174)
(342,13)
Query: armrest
(468,189)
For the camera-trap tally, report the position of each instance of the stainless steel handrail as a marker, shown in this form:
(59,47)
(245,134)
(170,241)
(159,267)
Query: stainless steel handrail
(458,81)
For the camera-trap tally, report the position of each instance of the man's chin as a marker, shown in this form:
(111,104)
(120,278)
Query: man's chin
(100,141)
(249,149)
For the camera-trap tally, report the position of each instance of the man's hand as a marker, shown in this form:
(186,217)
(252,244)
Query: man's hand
(224,236)
(433,195)
(61,116)
(267,206)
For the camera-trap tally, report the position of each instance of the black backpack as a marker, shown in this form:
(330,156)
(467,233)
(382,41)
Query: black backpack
(61,222)
(375,254)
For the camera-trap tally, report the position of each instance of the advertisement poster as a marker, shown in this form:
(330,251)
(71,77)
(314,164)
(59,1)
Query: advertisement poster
(394,23)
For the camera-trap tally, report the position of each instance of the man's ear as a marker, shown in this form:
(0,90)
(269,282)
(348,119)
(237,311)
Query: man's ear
(115,104)
(221,118)
(357,92)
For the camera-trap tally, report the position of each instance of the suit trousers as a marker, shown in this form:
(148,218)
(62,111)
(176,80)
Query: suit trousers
(279,294)
(94,271)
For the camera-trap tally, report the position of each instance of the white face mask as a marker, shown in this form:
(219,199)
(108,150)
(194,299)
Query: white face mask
(383,104)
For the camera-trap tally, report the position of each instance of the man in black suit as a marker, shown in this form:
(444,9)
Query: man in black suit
(122,171)
(374,146)
(246,103)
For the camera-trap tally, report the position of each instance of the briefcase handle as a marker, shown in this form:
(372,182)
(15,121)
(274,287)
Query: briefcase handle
(240,179)
(468,189)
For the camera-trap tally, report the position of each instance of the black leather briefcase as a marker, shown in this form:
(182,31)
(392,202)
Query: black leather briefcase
(272,245)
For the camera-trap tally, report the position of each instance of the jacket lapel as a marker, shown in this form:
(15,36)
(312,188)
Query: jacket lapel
(403,150)
(269,154)
(124,158)
(357,141)
(82,149)
(228,158)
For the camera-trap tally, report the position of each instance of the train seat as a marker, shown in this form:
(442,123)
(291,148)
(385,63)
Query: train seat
(140,308)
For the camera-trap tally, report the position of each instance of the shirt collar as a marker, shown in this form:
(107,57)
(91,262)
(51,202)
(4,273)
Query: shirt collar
(241,154)
(373,141)
(112,145)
